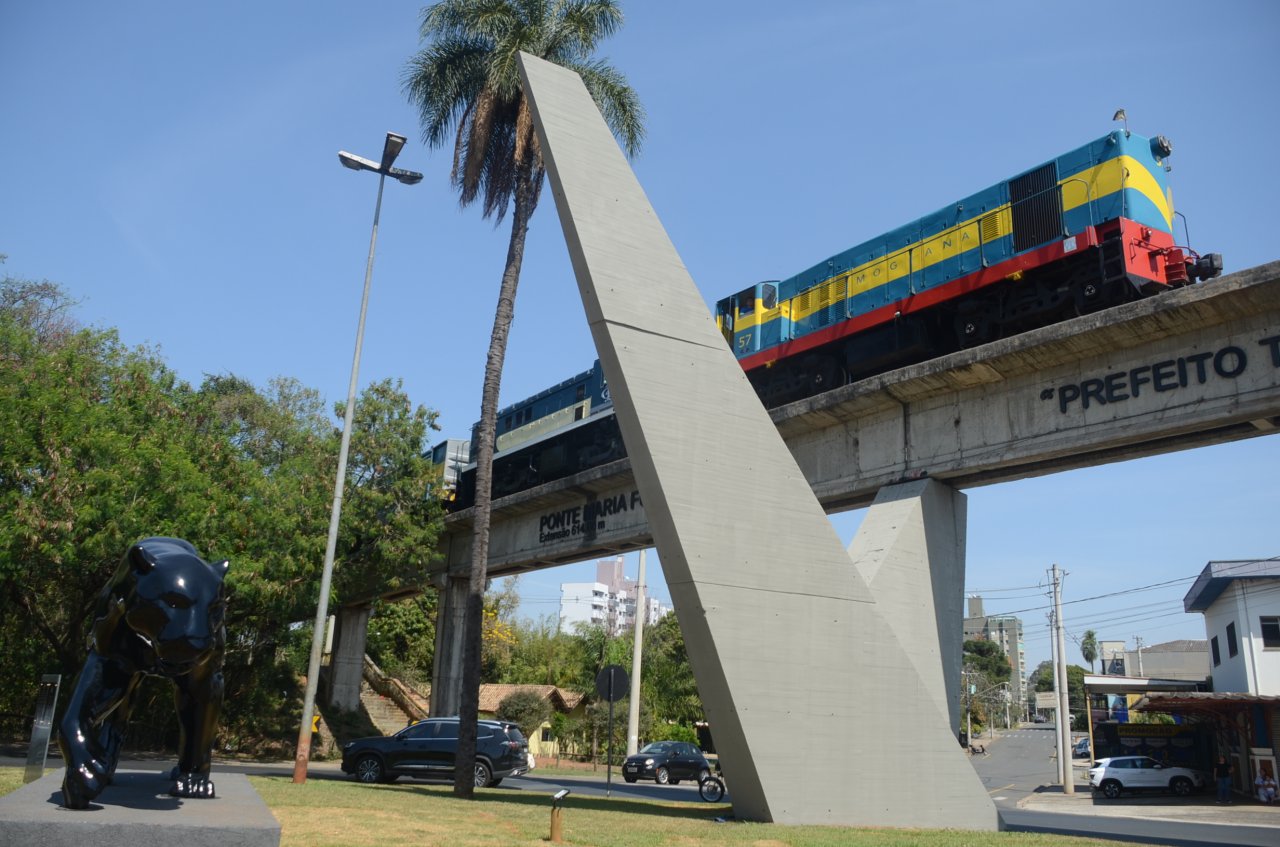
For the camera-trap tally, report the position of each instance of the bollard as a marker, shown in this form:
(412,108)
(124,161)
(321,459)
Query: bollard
(557,823)
(557,827)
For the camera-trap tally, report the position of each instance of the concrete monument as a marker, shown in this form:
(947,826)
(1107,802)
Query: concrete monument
(823,710)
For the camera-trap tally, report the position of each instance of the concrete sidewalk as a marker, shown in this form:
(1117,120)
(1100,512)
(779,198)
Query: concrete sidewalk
(1200,808)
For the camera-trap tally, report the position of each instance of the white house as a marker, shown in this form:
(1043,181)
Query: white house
(1240,601)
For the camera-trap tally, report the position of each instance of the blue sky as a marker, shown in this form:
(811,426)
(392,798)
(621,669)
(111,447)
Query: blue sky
(174,166)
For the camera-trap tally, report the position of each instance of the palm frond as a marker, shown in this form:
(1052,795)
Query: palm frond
(617,101)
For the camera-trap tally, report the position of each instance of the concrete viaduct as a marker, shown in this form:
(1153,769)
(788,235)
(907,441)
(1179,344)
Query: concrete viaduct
(1192,367)
(1195,366)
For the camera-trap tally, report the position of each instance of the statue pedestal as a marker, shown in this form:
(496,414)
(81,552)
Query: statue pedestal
(136,810)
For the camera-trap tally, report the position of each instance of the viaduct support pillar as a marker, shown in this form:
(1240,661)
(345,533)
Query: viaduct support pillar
(446,671)
(910,550)
(346,665)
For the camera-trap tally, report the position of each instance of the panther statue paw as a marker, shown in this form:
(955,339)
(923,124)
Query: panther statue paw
(192,785)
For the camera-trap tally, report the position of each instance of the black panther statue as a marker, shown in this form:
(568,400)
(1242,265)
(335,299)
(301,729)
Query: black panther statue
(161,614)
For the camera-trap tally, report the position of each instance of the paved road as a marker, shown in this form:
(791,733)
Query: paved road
(1020,772)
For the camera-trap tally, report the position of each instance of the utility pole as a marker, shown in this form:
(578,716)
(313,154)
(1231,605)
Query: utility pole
(1138,638)
(1064,712)
(633,707)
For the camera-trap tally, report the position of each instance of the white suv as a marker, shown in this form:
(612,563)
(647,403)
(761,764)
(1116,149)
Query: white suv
(1139,773)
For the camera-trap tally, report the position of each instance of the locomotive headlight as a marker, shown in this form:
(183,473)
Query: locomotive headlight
(1161,147)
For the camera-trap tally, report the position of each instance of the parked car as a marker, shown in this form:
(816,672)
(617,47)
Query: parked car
(667,762)
(1115,774)
(1081,748)
(1039,719)
(428,748)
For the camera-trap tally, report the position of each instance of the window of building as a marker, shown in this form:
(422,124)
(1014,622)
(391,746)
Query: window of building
(1270,626)
(1232,647)
(546,733)
(1213,646)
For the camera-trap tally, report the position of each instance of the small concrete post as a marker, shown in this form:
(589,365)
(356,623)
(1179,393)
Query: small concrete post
(557,825)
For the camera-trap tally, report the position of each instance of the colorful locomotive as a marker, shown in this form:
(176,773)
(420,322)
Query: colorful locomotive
(1090,229)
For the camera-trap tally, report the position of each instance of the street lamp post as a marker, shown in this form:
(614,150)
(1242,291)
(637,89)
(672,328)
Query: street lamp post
(390,150)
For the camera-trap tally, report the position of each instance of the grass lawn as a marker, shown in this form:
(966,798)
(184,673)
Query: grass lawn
(334,813)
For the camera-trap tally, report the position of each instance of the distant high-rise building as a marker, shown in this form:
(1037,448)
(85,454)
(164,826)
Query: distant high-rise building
(610,601)
(1006,631)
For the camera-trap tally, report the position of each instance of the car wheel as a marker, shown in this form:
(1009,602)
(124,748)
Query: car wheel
(1181,786)
(1111,789)
(483,775)
(629,778)
(662,776)
(369,769)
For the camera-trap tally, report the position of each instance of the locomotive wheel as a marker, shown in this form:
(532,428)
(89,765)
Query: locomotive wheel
(822,373)
(972,328)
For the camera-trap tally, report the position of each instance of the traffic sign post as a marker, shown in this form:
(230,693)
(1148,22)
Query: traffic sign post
(611,684)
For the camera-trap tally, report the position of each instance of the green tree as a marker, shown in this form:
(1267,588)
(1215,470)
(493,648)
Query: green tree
(527,709)
(1089,647)
(465,84)
(103,445)
(1042,680)
(542,655)
(387,537)
(667,679)
(988,659)
(402,637)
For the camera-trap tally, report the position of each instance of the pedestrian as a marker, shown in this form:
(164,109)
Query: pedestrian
(1266,785)
(1222,773)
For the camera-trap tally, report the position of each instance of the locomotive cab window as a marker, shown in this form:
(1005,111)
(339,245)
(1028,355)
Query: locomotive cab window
(769,296)
(746,302)
(725,310)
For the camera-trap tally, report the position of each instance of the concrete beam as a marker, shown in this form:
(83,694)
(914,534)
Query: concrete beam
(728,508)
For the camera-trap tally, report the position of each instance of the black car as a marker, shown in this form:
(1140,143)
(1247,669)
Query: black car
(427,749)
(667,762)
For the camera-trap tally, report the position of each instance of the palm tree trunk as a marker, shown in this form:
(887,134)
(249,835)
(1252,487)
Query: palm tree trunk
(526,199)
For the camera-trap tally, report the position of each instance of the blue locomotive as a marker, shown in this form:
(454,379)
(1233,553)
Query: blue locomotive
(1089,229)
(555,433)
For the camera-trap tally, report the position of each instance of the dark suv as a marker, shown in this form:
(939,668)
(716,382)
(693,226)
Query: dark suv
(427,749)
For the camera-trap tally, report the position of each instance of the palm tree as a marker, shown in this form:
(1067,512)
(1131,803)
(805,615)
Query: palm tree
(466,85)
(1089,647)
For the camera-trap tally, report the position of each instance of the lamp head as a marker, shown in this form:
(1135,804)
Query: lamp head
(394,144)
(356,163)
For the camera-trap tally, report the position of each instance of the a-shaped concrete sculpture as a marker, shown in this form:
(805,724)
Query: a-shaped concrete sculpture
(819,710)
(161,614)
